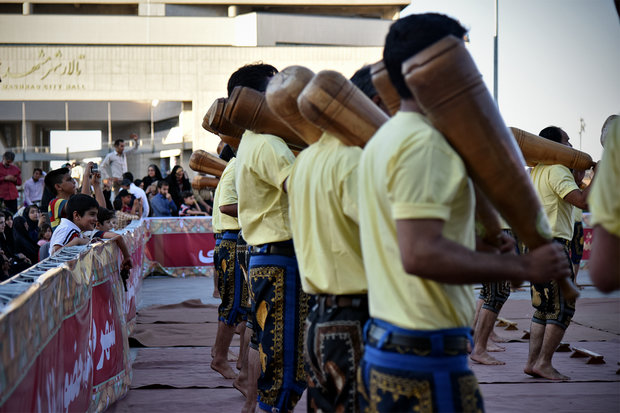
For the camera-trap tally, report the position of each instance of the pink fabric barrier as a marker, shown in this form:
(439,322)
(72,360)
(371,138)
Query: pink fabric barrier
(180,247)
(65,336)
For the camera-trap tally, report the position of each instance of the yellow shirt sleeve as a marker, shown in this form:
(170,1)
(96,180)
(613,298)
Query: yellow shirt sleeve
(349,192)
(228,195)
(604,199)
(561,180)
(419,192)
(275,163)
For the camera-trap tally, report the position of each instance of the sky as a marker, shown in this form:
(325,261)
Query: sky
(558,60)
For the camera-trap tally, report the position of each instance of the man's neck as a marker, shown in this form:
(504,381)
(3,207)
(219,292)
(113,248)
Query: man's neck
(63,195)
(119,153)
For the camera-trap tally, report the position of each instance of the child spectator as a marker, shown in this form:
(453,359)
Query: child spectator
(125,204)
(45,234)
(162,203)
(106,220)
(189,206)
(82,211)
(62,186)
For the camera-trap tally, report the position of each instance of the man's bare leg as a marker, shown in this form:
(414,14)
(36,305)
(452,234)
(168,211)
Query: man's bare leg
(253,374)
(241,382)
(486,322)
(216,290)
(222,344)
(543,367)
(537,334)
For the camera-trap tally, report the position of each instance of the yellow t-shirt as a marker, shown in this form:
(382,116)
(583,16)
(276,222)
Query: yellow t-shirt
(322,194)
(604,199)
(409,171)
(263,163)
(552,184)
(228,196)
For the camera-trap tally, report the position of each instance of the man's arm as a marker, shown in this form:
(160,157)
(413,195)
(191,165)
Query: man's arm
(578,197)
(18,177)
(604,264)
(136,143)
(231,210)
(104,167)
(426,253)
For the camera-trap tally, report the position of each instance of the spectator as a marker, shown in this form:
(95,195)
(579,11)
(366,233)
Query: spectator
(10,179)
(61,186)
(106,220)
(162,203)
(177,183)
(82,211)
(45,234)
(22,241)
(139,183)
(5,266)
(33,188)
(189,206)
(125,203)
(137,192)
(114,165)
(33,219)
(153,175)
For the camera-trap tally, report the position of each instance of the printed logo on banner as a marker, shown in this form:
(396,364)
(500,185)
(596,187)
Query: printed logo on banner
(206,260)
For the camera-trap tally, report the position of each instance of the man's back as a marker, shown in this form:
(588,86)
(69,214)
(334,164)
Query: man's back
(408,171)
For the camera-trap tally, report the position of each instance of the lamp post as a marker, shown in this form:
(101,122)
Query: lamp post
(495,44)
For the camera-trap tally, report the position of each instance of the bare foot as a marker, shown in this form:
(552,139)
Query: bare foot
(486,358)
(241,386)
(549,372)
(530,372)
(492,347)
(494,337)
(216,294)
(224,369)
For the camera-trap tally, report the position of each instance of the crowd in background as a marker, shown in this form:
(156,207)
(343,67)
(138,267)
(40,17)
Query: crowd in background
(27,222)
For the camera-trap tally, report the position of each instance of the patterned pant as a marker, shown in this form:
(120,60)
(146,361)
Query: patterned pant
(334,347)
(394,379)
(548,300)
(231,283)
(280,308)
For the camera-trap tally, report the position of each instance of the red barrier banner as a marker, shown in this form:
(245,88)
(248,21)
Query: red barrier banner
(180,247)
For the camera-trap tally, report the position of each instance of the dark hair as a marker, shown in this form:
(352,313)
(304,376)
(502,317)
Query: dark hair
(37,169)
(187,194)
(9,156)
(128,175)
(363,80)
(227,153)
(123,193)
(137,182)
(118,142)
(255,76)
(410,35)
(161,183)
(43,229)
(80,203)
(158,175)
(104,214)
(55,177)
(553,133)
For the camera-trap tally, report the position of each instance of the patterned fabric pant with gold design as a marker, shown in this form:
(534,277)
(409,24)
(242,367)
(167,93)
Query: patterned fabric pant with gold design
(395,379)
(280,308)
(547,298)
(334,347)
(231,283)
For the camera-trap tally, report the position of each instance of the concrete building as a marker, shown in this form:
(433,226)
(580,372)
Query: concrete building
(154,68)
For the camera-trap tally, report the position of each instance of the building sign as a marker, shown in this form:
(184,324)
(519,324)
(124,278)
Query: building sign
(49,70)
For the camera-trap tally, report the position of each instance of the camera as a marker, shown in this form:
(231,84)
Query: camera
(95,168)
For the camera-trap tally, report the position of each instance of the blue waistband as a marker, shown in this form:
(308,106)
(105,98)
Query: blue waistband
(231,235)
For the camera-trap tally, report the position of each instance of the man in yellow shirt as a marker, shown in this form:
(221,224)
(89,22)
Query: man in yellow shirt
(322,192)
(232,286)
(280,306)
(604,203)
(416,209)
(558,193)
